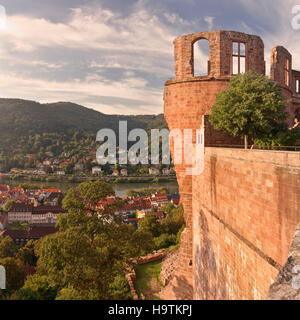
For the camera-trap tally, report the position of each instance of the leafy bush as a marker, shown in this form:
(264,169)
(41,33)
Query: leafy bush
(164,241)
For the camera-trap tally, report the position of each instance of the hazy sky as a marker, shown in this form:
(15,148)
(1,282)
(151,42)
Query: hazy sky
(115,55)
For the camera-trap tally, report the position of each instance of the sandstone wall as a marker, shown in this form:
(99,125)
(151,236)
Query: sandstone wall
(246,206)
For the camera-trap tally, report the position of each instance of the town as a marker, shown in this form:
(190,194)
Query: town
(30,214)
(85,166)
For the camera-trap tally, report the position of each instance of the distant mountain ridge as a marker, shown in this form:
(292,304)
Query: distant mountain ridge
(16,114)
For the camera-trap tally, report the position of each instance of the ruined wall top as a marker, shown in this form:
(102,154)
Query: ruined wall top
(221,45)
(281,66)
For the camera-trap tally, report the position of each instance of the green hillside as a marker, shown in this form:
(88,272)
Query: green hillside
(28,127)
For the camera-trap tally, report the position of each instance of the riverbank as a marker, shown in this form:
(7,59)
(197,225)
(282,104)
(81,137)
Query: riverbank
(120,184)
(78,179)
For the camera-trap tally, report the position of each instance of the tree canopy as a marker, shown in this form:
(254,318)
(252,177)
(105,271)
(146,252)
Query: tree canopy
(252,106)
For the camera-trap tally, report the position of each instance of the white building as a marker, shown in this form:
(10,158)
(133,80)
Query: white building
(34,215)
(96,170)
(154,171)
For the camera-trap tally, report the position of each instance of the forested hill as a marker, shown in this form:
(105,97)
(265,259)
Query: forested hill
(28,127)
(21,116)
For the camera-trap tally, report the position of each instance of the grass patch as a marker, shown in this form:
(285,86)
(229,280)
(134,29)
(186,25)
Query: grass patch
(147,279)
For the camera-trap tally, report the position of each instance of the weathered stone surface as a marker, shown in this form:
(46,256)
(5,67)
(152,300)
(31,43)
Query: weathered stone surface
(169,266)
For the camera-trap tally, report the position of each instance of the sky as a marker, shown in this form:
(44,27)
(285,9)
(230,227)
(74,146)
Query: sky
(115,55)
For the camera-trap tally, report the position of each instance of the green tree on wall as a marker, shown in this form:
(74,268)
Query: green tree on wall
(252,106)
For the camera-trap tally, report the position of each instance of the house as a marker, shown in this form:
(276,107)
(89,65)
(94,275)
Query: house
(154,171)
(4,188)
(46,214)
(96,170)
(41,172)
(159,200)
(60,172)
(34,215)
(3,222)
(53,198)
(56,162)
(46,162)
(49,154)
(140,214)
(21,237)
(175,199)
(20,212)
(78,166)
(165,171)
(31,157)
(123,172)
(63,164)
(134,205)
(115,173)
(160,215)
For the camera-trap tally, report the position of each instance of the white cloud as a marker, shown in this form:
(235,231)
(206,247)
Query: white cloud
(276,17)
(138,42)
(209,21)
(132,89)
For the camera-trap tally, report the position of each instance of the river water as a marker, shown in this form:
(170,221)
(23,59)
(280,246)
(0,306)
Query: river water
(120,188)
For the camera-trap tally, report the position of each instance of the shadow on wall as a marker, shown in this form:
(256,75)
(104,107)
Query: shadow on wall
(183,289)
(206,271)
(288,207)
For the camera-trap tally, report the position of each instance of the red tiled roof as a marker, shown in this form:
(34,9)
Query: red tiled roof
(158,214)
(50,190)
(16,207)
(4,187)
(30,234)
(46,209)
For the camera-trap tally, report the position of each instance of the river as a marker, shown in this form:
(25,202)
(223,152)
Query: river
(120,188)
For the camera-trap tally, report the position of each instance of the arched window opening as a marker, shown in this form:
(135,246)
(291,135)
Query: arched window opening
(201,58)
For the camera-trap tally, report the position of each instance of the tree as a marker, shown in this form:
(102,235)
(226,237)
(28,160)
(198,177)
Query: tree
(150,224)
(8,205)
(7,247)
(253,105)
(27,255)
(87,195)
(37,287)
(17,225)
(164,241)
(14,273)
(173,221)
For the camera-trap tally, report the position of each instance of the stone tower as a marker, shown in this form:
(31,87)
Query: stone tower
(187,103)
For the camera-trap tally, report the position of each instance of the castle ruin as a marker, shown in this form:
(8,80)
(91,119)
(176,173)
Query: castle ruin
(242,211)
